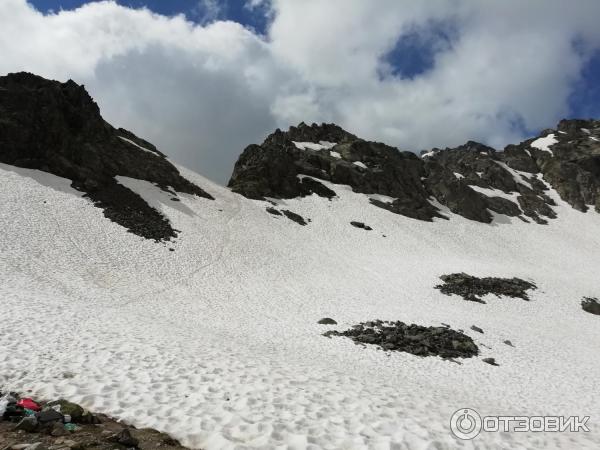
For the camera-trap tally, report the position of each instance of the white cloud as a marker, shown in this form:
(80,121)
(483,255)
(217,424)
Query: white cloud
(202,92)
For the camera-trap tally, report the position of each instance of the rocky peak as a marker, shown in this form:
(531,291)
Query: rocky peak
(57,127)
(472,180)
(326,132)
(567,157)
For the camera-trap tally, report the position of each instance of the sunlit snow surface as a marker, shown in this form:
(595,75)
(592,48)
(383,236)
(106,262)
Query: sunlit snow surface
(138,146)
(321,145)
(544,143)
(217,342)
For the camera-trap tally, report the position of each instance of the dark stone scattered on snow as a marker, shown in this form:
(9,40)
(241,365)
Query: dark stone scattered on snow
(294,217)
(591,305)
(310,186)
(131,211)
(507,342)
(490,361)
(476,328)
(327,321)
(415,339)
(472,288)
(361,225)
(273,211)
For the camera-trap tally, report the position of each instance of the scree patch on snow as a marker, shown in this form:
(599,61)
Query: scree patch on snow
(472,288)
(415,339)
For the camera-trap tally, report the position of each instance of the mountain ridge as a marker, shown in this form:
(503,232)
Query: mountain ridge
(472,180)
(57,127)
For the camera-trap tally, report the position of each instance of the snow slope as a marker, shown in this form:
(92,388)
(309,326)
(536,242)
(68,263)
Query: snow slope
(217,342)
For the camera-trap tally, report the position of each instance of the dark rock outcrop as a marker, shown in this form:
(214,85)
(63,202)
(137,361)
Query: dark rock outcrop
(57,128)
(591,305)
(274,211)
(472,288)
(294,217)
(327,321)
(570,163)
(279,168)
(490,361)
(415,339)
(472,180)
(361,225)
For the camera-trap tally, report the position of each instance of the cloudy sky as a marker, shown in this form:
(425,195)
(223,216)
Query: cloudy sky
(202,79)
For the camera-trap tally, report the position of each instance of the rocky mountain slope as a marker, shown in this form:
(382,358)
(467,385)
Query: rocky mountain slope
(472,180)
(57,128)
(299,321)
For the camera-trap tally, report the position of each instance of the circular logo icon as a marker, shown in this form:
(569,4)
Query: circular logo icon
(465,423)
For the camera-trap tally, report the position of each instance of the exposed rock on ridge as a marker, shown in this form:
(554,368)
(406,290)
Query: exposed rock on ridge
(275,169)
(471,180)
(57,127)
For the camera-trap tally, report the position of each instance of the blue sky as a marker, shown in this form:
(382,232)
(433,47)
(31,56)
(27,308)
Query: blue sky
(412,73)
(194,10)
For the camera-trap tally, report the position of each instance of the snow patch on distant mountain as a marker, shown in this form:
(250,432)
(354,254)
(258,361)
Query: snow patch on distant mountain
(544,143)
(518,176)
(321,145)
(496,193)
(138,146)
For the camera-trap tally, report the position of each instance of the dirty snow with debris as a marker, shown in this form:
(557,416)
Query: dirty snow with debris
(217,342)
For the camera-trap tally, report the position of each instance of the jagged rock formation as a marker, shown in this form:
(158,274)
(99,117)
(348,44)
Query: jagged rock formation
(57,127)
(568,158)
(276,169)
(471,180)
